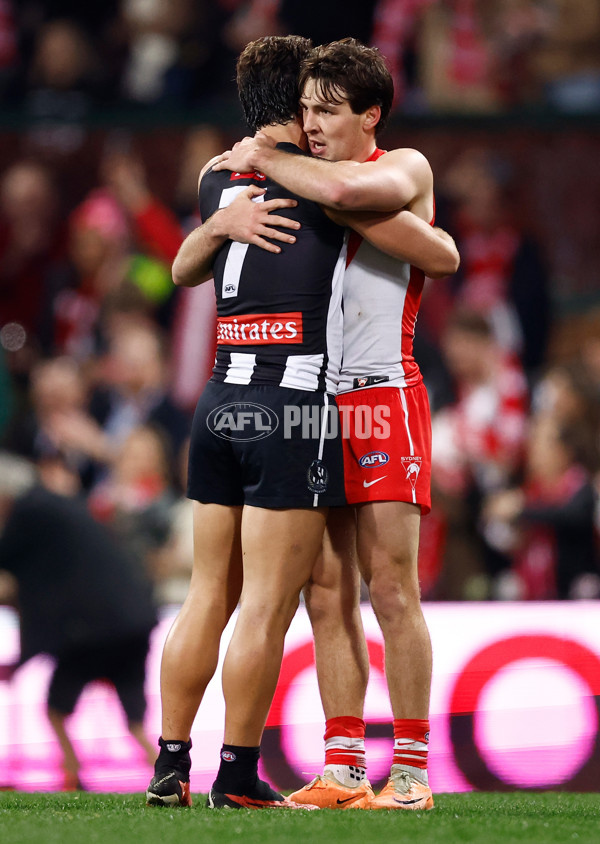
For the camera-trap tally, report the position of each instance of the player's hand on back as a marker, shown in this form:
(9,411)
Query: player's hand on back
(248,221)
(241,158)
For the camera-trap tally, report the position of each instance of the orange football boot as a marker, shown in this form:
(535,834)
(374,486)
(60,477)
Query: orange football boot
(403,792)
(327,793)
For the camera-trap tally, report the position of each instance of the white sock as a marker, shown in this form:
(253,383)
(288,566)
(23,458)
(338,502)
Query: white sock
(347,775)
(419,774)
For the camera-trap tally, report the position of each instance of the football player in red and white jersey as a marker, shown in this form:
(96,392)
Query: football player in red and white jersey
(346,97)
(277,540)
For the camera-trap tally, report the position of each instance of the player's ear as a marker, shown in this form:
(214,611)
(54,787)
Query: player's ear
(372,117)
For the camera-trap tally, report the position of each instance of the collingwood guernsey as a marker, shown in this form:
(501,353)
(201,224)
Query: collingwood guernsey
(279,315)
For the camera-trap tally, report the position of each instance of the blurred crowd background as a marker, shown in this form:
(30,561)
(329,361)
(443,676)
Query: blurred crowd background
(108,112)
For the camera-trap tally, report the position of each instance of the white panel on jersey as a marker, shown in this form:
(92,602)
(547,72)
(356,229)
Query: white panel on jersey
(237,251)
(240,369)
(335,322)
(375,299)
(302,372)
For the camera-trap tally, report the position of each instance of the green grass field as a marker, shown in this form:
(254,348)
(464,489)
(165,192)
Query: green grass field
(479,818)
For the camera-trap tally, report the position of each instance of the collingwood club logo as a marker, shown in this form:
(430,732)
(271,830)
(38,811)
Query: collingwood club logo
(242,421)
(412,467)
(317,477)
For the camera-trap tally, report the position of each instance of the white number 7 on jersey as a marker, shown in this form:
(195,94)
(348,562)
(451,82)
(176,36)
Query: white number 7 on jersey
(237,251)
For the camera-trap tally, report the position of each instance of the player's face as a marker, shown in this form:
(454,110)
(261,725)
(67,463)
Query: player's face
(334,132)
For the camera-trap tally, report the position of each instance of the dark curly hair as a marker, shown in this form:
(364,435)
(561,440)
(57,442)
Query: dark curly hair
(347,70)
(267,78)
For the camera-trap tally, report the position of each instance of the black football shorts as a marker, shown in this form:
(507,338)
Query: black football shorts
(266,446)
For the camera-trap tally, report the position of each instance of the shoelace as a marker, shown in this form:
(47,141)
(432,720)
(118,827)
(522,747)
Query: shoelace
(402,782)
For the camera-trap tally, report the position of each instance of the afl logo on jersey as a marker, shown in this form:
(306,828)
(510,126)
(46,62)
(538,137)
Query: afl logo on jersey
(242,421)
(373,458)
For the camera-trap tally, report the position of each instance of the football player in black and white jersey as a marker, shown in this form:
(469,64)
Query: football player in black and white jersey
(279,343)
(347,93)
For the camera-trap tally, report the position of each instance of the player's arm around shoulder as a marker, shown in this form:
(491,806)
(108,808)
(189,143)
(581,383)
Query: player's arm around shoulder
(406,237)
(394,181)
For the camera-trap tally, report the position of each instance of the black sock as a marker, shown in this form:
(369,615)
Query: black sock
(238,774)
(174,755)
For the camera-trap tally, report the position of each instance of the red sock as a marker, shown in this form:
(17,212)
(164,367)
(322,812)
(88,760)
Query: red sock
(411,739)
(345,741)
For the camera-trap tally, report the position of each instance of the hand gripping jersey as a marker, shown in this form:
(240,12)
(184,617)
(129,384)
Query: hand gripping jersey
(279,316)
(381,301)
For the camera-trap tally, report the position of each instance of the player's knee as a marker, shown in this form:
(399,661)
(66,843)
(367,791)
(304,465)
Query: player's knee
(270,613)
(328,606)
(392,603)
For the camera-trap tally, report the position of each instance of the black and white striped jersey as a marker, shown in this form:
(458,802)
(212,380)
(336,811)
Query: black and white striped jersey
(279,316)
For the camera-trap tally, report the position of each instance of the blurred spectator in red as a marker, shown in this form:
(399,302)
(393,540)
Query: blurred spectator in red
(488,421)
(155,226)
(550,519)
(396,26)
(122,241)
(32,250)
(478,442)
(155,229)
(501,275)
(98,249)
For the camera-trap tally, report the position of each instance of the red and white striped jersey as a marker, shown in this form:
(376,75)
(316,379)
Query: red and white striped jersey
(381,297)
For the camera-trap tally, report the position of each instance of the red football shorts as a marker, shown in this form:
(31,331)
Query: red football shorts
(386,432)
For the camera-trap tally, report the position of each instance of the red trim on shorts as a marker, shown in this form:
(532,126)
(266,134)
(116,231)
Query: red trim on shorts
(386,434)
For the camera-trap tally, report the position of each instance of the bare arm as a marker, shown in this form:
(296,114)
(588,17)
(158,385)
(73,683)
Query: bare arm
(406,237)
(388,184)
(245,221)
(193,263)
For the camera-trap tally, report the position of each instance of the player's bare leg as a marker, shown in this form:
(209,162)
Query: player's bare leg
(191,650)
(388,544)
(333,603)
(280,548)
(70,762)
(342,661)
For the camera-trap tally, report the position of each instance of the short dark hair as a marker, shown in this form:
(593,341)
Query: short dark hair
(267,76)
(348,70)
